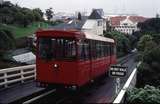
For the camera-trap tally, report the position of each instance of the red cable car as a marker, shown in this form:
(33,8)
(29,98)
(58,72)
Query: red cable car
(72,58)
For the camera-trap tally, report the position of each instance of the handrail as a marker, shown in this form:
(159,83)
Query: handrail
(17,74)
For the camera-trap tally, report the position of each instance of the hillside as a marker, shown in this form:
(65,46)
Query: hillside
(24,31)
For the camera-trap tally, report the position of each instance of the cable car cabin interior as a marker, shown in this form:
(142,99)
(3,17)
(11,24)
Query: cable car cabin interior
(71,58)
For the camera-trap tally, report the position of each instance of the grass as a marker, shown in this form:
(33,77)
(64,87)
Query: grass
(24,31)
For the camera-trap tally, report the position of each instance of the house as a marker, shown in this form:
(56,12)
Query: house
(126,24)
(94,24)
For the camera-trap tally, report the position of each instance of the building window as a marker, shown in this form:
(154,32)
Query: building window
(125,24)
(99,23)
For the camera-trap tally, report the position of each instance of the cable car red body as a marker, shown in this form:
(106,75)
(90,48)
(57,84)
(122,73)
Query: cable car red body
(76,58)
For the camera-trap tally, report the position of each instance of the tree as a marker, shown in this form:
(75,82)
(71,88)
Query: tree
(7,4)
(14,14)
(6,41)
(156,38)
(22,19)
(146,95)
(38,11)
(150,26)
(149,70)
(122,42)
(38,14)
(79,16)
(49,13)
(142,44)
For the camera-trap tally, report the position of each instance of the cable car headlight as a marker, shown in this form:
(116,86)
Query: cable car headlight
(55,65)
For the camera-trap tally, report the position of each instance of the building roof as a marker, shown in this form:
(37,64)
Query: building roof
(115,21)
(28,58)
(95,15)
(137,18)
(72,24)
(23,55)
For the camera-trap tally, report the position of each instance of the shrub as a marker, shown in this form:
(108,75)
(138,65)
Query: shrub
(146,95)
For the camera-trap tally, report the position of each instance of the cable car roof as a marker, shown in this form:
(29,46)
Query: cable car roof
(89,35)
(74,33)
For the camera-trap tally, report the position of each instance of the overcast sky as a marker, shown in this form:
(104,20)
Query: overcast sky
(140,7)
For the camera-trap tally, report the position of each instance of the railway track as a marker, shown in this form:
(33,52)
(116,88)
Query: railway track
(60,96)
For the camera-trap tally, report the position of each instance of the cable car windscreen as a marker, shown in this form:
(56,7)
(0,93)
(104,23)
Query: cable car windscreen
(57,48)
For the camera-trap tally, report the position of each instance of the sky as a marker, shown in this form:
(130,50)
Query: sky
(148,8)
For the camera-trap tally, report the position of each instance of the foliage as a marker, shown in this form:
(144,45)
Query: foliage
(49,13)
(156,38)
(21,31)
(150,26)
(7,40)
(149,52)
(133,41)
(13,14)
(146,95)
(149,70)
(38,14)
(122,42)
(142,44)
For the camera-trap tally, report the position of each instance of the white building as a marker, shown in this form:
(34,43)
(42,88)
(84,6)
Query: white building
(126,24)
(94,24)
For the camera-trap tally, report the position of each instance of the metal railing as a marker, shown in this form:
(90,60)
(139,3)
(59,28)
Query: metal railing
(10,76)
(128,85)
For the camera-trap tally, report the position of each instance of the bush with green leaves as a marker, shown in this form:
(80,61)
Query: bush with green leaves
(122,42)
(7,40)
(146,95)
(14,14)
(149,70)
(143,42)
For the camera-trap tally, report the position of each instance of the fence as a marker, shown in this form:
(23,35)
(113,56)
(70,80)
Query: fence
(128,85)
(14,75)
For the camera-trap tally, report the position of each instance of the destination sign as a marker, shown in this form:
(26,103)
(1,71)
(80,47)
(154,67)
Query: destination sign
(118,71)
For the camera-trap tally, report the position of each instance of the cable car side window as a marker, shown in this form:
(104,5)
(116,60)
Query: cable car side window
(83,48)
(69,48)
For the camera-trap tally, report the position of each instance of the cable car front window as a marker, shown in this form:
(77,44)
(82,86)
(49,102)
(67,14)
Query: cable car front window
(57,48)
(45,48)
